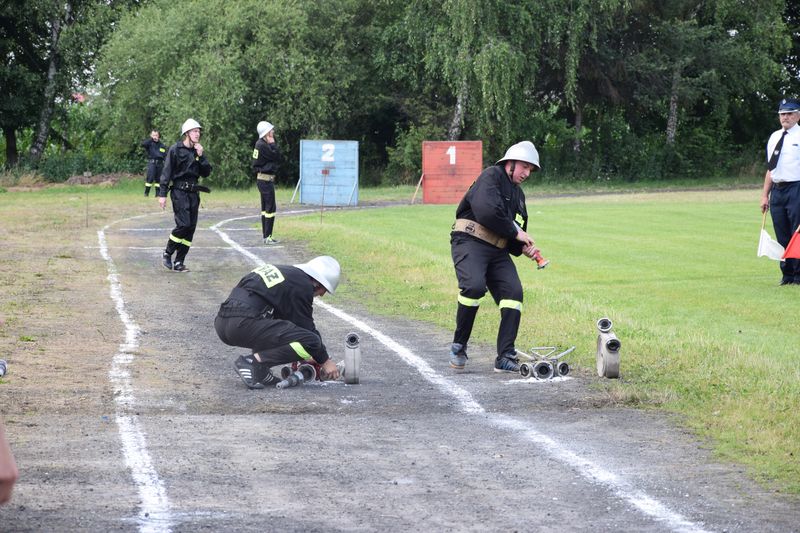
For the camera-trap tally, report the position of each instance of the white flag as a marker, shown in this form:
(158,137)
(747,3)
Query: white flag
(769,247)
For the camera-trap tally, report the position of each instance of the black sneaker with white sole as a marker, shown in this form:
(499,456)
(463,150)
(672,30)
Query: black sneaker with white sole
(252,372)
(179,267)
(506,363)
(270,380)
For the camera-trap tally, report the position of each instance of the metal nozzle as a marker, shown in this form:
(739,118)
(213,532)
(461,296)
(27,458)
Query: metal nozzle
(298,377)
(352,340)
(525,370)
(543,370)
(604,325)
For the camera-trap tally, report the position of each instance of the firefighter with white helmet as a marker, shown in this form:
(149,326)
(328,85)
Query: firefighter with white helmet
(185,163)
(491,225)
(266,160)
(270,312)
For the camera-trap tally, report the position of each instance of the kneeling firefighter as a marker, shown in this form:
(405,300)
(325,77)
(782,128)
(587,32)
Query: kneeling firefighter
(270,312)
(491,224)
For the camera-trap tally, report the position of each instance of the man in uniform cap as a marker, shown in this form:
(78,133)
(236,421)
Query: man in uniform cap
(781,192)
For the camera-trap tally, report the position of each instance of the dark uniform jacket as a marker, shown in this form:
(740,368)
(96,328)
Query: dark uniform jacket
(154,149)
(182,164)
(495,202)
(266,157)
(283,292)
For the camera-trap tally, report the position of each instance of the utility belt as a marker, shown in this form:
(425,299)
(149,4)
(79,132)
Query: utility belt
(242,302)
(470,227)
(189,186)
(156,161)
(784,184)
(265,177)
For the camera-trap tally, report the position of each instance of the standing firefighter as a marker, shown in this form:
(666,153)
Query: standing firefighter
(155,150)
(186,163)
(266,158)
(270,312)
(490,225)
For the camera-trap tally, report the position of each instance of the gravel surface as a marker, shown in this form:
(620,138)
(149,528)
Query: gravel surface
(134,419)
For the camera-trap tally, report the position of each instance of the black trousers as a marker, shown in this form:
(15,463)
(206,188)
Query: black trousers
(277,342)
(185,206)
(153,176)
(784,206)
(481,266)
(268,206)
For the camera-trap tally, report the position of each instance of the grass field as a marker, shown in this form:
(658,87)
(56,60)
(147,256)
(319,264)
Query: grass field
(706,332)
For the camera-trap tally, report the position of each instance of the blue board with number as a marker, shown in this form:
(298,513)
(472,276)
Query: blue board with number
(328,173)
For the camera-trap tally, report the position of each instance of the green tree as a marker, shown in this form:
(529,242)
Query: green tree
(22,31)
(696,57)
(300,64)
(49,47)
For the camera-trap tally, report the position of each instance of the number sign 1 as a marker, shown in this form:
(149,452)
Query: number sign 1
(449,168)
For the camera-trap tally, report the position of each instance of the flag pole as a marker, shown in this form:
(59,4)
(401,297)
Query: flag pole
(763,220)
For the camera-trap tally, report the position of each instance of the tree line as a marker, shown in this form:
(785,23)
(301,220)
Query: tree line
(606,89)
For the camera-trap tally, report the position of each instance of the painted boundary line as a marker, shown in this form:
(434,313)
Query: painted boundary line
(586,468)
(155,515)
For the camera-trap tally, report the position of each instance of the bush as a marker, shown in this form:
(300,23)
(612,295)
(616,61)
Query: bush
(58,168)
(405,159)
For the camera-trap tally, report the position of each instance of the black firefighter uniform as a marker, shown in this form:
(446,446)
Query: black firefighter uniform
(483,238)
(270,311)
(183,167)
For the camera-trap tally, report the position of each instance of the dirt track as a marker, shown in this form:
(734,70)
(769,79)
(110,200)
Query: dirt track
(133,419)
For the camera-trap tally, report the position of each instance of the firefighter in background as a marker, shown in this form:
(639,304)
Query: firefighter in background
(270,312)
(491,223)
(266,159)
(156,151)
(186,162)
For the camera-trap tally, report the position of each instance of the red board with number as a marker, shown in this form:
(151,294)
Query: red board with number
(448,169)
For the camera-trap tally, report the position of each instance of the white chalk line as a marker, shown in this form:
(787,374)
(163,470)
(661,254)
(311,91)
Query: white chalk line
(155,515)
(194,247)
(589,470)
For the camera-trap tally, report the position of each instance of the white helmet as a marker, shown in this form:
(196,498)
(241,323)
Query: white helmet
(263,128)
(190,124)
(325,269)
(523,151)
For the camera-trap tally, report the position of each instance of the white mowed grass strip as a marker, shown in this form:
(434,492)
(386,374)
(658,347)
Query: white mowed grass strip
(155,514)
(588,469)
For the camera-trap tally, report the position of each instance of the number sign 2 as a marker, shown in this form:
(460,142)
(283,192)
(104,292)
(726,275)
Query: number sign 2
(328,172)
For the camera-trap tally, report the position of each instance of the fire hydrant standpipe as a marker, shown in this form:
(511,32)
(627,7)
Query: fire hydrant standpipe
(352,358)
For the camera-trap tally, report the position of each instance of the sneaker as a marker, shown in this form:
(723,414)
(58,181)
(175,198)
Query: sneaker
(166,260)
(270,240)
(270,380)
(179,267)
(506,363)
(458,356)
(251,372)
